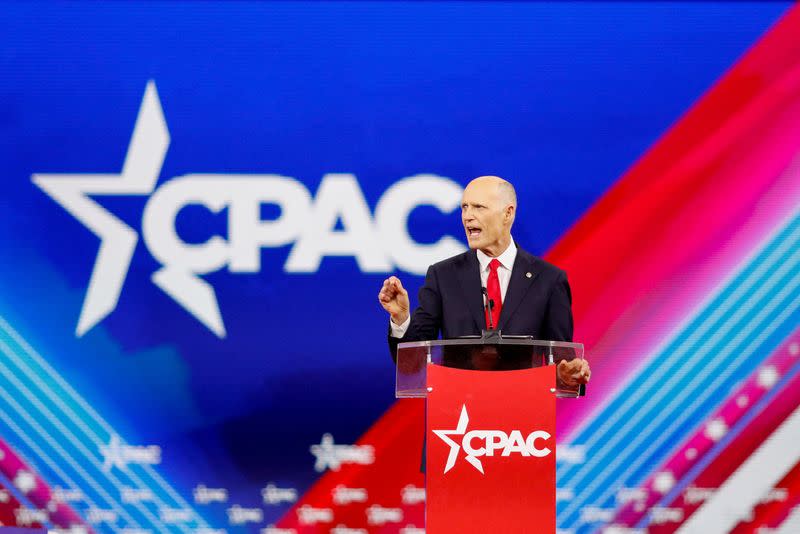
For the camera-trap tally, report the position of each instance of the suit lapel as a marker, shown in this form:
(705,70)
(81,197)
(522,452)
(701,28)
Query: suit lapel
(469,276)
(523,274)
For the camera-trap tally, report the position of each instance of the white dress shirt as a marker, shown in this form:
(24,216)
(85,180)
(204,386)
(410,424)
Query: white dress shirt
(506,260)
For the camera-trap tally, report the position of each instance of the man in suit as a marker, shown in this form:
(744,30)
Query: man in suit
(527,295)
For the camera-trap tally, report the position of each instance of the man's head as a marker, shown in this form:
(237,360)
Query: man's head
(488,207)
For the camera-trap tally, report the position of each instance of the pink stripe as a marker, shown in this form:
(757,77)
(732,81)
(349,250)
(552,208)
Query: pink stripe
(13,467)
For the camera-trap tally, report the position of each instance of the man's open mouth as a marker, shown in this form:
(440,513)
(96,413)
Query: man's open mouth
(473,232)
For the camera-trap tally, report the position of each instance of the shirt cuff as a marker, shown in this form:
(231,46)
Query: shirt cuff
(399,331)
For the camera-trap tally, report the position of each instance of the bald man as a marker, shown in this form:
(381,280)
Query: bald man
(531,297)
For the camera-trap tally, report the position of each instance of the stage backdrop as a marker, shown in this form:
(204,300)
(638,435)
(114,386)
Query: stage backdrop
(201,201)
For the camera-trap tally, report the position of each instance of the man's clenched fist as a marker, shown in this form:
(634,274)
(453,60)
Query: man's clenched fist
(394,299)
(574,372)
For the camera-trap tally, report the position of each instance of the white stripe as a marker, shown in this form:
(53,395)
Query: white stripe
(58,402)
(66,433)
(52,464)
(75,397)
(743,490)
(50,441)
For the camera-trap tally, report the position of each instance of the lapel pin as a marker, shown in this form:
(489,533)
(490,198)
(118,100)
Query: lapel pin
(528,275)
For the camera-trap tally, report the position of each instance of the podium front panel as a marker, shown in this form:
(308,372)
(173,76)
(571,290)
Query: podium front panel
(491,451)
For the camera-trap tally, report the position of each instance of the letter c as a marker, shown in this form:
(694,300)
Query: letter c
(466,443)
(530,443)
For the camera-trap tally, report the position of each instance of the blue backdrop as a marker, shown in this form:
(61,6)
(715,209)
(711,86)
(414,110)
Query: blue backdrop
(559,98)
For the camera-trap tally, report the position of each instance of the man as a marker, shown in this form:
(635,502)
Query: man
(529,296)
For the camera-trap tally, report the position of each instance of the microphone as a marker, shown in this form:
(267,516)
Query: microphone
(488,306)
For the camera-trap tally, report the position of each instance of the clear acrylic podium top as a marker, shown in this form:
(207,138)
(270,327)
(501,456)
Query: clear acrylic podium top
(489,353)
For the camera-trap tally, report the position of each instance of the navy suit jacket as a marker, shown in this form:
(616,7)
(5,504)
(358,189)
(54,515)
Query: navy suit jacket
(538,301)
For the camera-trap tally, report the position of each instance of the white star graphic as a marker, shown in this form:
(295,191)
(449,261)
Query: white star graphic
(25,481)
(139,175)
(716,429)
(140,172)
(664,481)
(460,430)
(112,454)
(326,456)
(768,376)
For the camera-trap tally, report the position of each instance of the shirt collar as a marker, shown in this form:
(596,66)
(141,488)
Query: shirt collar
(506,259)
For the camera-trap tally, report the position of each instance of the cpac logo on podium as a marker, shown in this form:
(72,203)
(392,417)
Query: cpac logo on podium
(379,243)
(479,443)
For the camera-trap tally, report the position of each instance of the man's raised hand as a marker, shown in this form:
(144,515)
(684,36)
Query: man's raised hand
(394,299)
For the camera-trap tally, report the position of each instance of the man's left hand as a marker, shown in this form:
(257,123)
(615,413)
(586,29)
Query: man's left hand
(574,372)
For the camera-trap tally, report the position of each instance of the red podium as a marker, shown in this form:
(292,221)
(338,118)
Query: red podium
(490,432)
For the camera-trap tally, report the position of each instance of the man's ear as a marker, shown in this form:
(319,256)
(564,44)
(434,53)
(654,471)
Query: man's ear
(509,213)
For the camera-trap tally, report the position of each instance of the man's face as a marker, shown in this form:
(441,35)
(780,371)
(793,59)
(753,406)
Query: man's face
(484,218)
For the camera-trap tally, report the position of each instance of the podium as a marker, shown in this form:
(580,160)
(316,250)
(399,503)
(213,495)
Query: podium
(490,430)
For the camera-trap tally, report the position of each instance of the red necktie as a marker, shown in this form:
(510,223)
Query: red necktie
(493,289)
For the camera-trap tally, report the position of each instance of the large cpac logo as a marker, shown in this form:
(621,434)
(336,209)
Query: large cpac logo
(489,442)
(379,243)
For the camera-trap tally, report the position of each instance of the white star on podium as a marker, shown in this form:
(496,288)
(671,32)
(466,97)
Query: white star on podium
(460,430)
